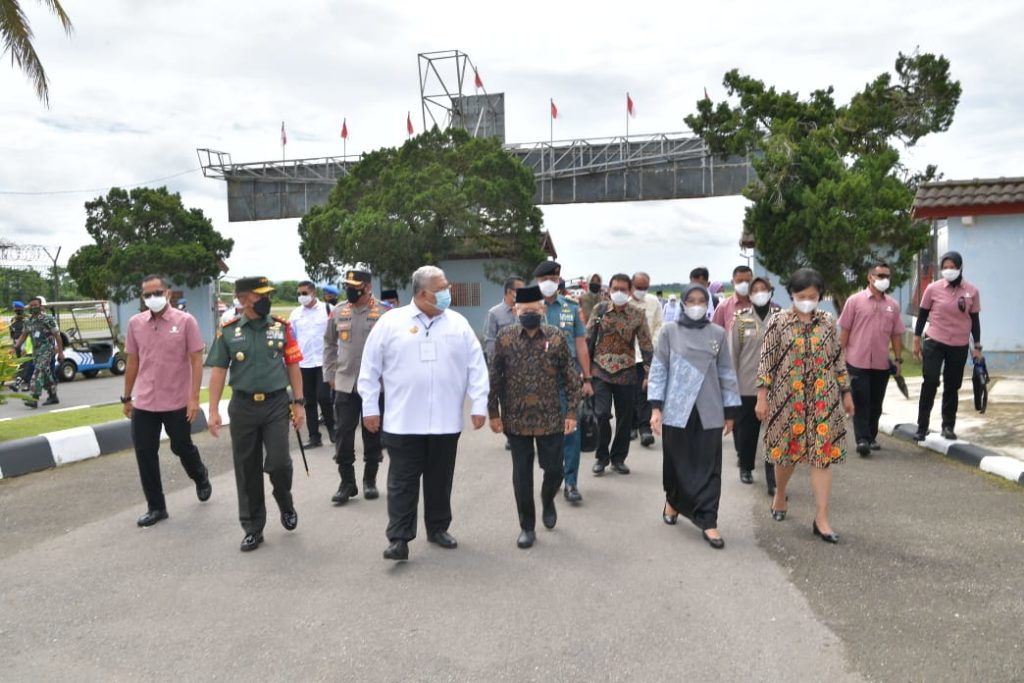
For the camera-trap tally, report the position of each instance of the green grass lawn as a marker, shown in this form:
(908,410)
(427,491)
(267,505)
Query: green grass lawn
(35,424)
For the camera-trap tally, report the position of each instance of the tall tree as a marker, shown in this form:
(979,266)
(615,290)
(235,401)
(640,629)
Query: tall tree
(442,194)
(831,191)
(16,37)
(141,232)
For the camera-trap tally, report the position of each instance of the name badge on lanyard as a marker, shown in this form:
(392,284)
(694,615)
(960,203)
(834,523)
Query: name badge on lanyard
(428,351)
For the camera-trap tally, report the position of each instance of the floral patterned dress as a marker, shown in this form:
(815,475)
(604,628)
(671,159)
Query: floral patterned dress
(802,366)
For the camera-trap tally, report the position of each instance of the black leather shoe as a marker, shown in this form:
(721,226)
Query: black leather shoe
(289,519)
(313,443)
(370,491)
(746,477)
(828,538)
(549,516)
(443,539)
(526,539)
(51,400)
(251,541)
(398,550)
(667,518)
(620,467)
(344,492)
(31,403)
(875,446)
(716,543)
(948,433)
(152,517)
(633,434)
(598,467)
(572,494)
(864,448)
(332,436)
(920,434)
(778,515)
(647,439)
(204,488)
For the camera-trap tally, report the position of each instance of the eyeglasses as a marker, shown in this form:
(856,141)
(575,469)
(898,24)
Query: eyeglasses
(150,295)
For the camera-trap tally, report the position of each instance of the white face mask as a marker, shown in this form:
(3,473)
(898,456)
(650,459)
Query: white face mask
(695,312)
(548,288)
(761,298)
(304,299)
(882,285)
(805,305)
(639,294)
(620,298)
(156,303)
(742,288)
(950,274)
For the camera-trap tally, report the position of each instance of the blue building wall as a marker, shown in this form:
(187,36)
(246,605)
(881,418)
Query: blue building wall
(199,302)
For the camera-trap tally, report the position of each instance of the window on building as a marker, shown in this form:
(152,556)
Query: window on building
(465,294)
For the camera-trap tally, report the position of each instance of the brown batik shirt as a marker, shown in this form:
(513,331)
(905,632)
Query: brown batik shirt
(528,376)
(618,333)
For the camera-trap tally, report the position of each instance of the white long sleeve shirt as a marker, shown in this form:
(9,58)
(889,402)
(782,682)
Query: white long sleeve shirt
(652,308)
(428,367)
(308,325)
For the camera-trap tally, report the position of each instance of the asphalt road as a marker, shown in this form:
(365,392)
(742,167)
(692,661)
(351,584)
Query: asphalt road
(926,584)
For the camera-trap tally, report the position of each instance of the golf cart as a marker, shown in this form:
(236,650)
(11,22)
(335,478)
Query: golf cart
(89,337)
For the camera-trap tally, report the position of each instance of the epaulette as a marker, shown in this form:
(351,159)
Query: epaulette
(231,322)
(283,321)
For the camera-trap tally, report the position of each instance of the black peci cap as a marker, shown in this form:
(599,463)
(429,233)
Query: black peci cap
(527,295)
(389,294)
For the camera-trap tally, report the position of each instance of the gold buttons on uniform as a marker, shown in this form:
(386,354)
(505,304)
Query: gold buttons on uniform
(240,356)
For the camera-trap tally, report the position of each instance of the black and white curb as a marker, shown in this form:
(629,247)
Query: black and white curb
(53,449)
(963,451)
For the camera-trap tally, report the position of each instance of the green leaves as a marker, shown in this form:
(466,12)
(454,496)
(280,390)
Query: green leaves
(16,38)
(441,194)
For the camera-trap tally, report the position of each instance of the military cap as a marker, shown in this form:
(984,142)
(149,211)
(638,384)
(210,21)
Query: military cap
(547,268)
(330,289)
(527,295)
(389,294)
(256,285)
(18,304)
(356,278)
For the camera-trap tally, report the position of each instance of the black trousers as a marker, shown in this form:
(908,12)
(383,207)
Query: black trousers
(432,457)
(745,432)
(317,393)
(692,470)
(146,437)
(549,455)
(348,414)
(642,408)
(868,389)
(259,443)
(624,397)
(949,362)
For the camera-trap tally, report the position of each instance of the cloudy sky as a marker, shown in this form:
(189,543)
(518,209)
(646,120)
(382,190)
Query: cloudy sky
(140,86)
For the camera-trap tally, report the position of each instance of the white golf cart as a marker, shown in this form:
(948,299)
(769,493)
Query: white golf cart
(89,337)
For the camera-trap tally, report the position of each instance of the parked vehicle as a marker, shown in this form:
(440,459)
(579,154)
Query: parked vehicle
(90,339)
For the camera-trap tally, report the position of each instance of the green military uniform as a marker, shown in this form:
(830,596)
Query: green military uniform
(41,329)
(256,352)
(17,326)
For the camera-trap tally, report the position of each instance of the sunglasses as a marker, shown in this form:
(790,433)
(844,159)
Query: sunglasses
(150,295)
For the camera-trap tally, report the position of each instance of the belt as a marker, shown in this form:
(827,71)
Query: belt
(257,396)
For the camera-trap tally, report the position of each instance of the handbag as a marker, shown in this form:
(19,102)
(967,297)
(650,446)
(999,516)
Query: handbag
(589,429)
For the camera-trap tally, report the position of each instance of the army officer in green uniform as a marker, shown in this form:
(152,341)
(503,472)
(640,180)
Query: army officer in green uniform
(263,357)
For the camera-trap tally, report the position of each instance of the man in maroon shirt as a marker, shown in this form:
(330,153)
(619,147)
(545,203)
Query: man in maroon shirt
(164,369)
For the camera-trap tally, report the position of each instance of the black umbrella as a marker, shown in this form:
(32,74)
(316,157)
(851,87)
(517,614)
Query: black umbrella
(901,383)
(979,379)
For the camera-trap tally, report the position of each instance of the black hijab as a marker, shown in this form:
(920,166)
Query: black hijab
(684,319)
(958,260)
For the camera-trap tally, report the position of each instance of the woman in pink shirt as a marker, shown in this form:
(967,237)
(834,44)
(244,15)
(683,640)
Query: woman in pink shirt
(951,308)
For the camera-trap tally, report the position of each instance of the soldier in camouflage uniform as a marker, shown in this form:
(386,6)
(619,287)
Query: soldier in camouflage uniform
(41,328)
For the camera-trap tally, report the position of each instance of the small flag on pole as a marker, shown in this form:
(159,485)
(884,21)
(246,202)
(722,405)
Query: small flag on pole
(554,109)
(408,124)
(477,82)
(630,109)
(284,136)
(344,129)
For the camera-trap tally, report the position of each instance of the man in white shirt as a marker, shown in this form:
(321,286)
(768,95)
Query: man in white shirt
(670,313)
(652,308)
(308,321)
(429,359)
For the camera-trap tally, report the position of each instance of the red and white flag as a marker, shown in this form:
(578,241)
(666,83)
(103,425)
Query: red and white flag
(344,129)
(554,109)
(408,124)
(477,82)
(630,109)
(284,136)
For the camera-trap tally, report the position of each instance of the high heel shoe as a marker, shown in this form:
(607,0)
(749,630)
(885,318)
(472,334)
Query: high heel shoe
(828,538)
(716,543)
(778,515)
(667,518)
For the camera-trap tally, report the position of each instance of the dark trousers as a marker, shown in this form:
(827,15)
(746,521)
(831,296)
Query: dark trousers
(868,390)
(432,457)
(348,414)
(642,408)
(259,443)
(745,432)
(549,455)
(317,393)
(146,437)
(623,396)
(949,362)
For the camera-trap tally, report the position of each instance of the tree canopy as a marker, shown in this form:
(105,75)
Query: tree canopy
(441,194)
(142,232)
(16,37)
(831,192)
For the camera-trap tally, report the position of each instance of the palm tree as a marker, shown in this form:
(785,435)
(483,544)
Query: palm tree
(16,38)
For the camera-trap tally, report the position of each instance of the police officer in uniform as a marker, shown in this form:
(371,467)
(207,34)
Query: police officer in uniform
(264,360)
(41,328)
(347,329)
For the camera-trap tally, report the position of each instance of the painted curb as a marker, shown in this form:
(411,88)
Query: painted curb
(965,452)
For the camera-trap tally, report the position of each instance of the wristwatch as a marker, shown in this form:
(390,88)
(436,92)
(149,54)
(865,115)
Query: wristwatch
(126,399)
(298,402)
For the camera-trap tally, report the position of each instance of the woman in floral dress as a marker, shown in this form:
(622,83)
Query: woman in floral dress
(803,396)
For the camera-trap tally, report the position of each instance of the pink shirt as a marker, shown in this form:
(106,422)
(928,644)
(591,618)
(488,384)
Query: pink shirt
(726,311)
(163,344)
(871,322)
(947,323)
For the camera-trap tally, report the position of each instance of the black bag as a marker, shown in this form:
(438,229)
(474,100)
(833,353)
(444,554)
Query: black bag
(979,379)
(589,430)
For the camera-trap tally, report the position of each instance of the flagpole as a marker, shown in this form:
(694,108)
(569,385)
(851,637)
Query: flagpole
(627,120)
(551,138)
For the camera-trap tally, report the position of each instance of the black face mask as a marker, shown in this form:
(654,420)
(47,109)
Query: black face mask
(530,321)
(262,307)
(353,294)
(595,287)
(34,310)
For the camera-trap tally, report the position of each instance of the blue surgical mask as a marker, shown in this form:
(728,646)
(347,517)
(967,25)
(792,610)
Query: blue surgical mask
(444,299)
